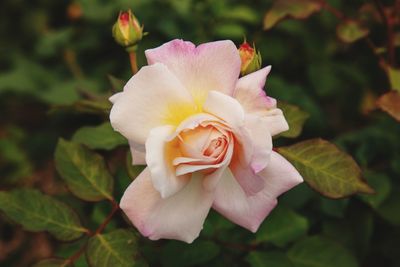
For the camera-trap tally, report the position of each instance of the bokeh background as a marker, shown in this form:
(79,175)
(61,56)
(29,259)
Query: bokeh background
(55,53)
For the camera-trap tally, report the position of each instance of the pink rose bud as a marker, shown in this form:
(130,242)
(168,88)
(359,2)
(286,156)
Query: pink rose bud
(127,30)
(251,59)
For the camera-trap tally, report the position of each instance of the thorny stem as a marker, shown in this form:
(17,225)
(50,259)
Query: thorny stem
(390,33)
(75,256)
(132,57)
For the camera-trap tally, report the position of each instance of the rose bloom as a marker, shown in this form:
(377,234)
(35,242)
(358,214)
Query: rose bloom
(205,136)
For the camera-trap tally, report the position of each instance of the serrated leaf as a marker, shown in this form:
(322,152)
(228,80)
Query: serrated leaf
(282,226)
(84,171)
(295,118)
(326,169)
(297,9)
(350,31)
(117,248)
(53,263)
(102,136)
(382,186)
(273,259)
(38,212)
(390,103)
(196,254)
(320,252)
(394,78)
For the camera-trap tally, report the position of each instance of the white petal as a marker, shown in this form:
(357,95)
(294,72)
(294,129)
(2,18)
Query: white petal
(246,211)
(250,92)
(180,216)
(160,154)
(152,97)
(261,139)
(138,153)
(210,66)
(276,121)
(226,108)
(249,211)
(280,175)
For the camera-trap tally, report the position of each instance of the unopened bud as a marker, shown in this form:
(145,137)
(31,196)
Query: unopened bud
(127,30)
(251,59)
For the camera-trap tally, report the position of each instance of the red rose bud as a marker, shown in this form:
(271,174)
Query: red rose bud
(251,59)
(127,30)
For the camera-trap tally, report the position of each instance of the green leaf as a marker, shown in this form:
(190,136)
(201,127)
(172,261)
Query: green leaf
(230,30)
(196,254)
(117,85)
(295,118)
(354,232)
(84,172)
(394,78)
(273,259)
(326,169)
(52,263)
(334,207)
(37,212)
(297,9)
(240,13)
(350,31)
(282,226)
(320,252)
(117,248)
(389,209)
(102,136)
(390,103)
(382,186)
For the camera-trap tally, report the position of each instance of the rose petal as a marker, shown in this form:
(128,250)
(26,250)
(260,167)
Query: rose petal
(250,92)
(276,121)
(249,211)
(248,179)
(280,175)
(210,66)
(233,203)
(138,153)
(180,216)
(262,141)
(226,108)
(160,154)
(152,97)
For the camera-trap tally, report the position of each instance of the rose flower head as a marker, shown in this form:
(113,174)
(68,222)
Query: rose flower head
(206,138)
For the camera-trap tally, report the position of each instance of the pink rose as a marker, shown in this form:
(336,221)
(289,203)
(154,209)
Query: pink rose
(205,136)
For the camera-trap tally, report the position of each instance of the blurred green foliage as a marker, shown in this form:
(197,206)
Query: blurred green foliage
(56,58)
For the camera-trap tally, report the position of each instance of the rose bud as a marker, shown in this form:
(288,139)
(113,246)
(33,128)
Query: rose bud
(127,30)
(251,59)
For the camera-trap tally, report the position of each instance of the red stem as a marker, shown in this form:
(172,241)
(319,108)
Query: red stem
(108,218)
(101,227)
(337,13)
(390,33)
